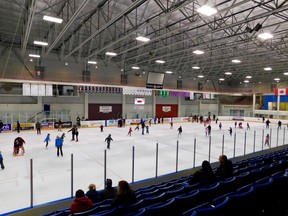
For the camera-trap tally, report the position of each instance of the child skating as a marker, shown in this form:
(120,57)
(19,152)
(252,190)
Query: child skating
(267,140)
(130,131)
(47,139)
(108,140)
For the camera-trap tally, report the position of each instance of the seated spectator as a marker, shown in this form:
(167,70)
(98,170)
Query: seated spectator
(93,194)
(225,169)
(81,203)
(125,195)
(205,174)
(109,192)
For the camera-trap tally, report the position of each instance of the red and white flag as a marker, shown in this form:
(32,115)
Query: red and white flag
(281,91)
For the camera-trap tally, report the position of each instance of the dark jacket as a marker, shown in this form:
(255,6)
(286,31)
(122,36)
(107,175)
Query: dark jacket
(108,193)
(225,170)
(124,199)
(93,195)
(81,204)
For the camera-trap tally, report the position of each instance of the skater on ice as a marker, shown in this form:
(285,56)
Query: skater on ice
(108,140)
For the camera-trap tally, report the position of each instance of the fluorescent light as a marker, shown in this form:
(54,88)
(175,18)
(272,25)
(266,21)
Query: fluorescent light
(198,52)
(228,73)
(196,67)
(34,55)
(41,43)
(92,62)
(285,73)
(160,61)
(265,36)
(135,68)
(248,77)
(143,39)
(201,76)
(111,53)
(169,72)
(221,79)
(236,61)
(246,81)
(52,19)
(267,68)
(207,10)
(277,79)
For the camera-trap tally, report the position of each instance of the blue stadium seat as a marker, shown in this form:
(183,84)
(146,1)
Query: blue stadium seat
(111,212)
(187,201)
(164,208)
(131,208)
(147,194)
(173,193)
(190,211)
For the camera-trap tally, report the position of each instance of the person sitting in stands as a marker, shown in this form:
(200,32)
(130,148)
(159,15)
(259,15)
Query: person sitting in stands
(125,195)
(81,203)
(109,192)
(205,173)
(93,194)
(225,169)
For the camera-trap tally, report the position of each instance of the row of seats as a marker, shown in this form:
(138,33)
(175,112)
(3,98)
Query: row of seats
(178,193)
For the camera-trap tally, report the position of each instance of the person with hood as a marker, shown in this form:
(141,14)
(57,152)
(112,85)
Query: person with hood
(81,203)
(109,192)
(58,145)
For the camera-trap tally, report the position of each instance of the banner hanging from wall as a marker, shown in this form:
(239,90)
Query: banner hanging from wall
(136,91)
(99,89)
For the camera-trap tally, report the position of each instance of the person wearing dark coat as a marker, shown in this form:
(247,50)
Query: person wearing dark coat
(81,203)
(18,126)
(92,194)
(226,168)
(205,173)
(108,140)
(109,192)
(1,161)
(73,130)
(125,195)
(1,126)
(38,127)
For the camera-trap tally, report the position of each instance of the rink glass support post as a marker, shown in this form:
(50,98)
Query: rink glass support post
(133,161)
(223,144)
(262,139)
(254,143)
(234,150)
(245,143)
(105,165)
(209,155)
(270,138)
(31,182)
(72,174)
(194,158)
(277,137)
(177,152)
(284,136)
(156,174)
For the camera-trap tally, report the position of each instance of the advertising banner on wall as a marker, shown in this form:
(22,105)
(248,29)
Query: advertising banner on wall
(166,108)
(105,109)
(7,127)
(67,124)
(24,126)
(47,125)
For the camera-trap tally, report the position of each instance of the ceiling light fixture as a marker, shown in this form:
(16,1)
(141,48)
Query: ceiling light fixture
(198,52)
(201,76)
(196,67)
(236,61)
(228,73)
(111,53)
(41,43)
(207,10)
(92,62)
(265,36)
(34,55)
(221,79)
(267,68)
(169,72)
(277,79)
(143,39)
(248,77)
(246,81)
(135,68)
(285,73)
(52,19)
(160,61)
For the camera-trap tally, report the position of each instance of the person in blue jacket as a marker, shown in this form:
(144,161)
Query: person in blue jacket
(47,139)
(58,145)
(1,161)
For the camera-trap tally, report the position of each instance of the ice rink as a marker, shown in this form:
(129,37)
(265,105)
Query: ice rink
(52,174)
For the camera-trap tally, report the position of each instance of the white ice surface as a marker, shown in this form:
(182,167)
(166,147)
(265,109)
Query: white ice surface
(52,174)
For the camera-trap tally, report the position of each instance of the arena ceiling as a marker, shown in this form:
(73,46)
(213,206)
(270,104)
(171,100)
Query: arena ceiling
(176,29)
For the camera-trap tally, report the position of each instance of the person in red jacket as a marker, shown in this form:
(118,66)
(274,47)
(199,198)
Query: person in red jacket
(81,203)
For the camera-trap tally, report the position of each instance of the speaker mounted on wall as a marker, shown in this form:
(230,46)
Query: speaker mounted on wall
(39,72)
(124,79)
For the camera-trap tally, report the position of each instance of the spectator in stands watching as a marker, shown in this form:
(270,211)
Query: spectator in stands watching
(225,169)
(125,195)
(205,173)
(92,194)
(109,192)
(81,203)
